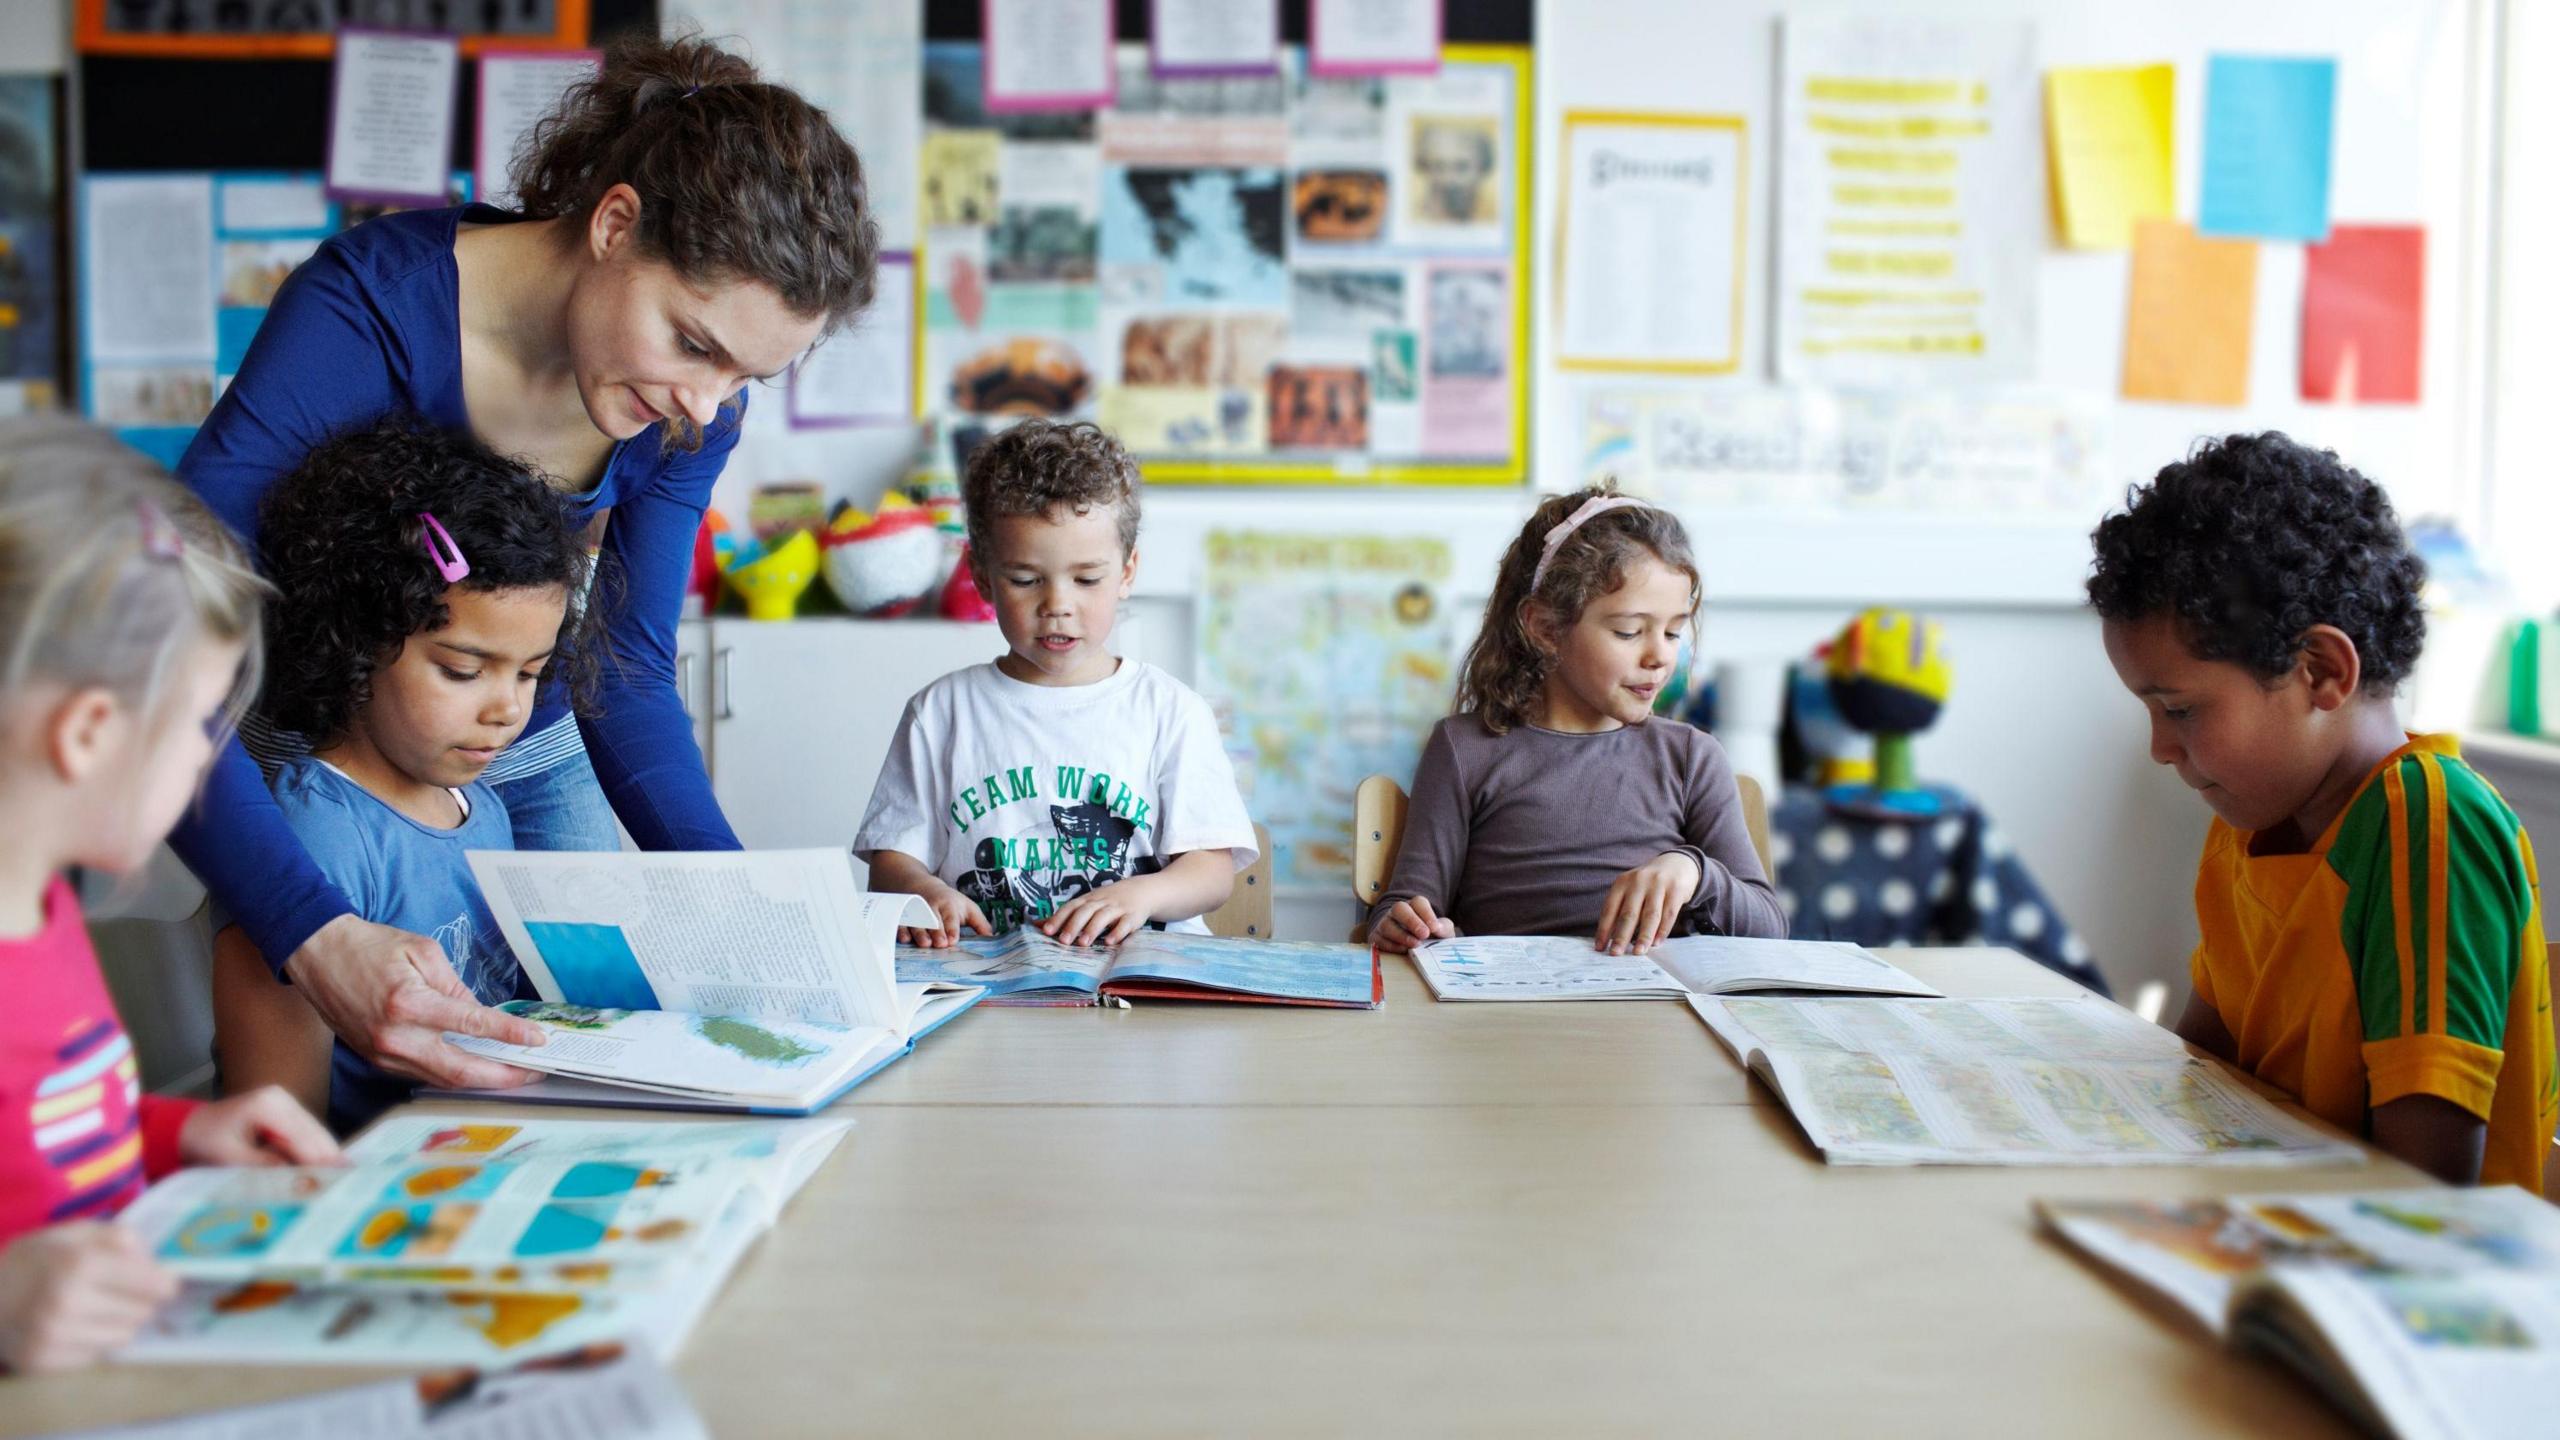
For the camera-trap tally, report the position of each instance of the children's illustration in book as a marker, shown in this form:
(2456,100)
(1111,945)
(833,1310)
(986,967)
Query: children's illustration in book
(1567,967)
(1027,967)
(750,1063)
(2421,1313)
(2073,1081)
(443,1314)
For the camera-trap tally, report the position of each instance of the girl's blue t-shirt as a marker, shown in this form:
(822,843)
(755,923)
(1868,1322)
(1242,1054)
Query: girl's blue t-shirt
(370,326)
(399,872)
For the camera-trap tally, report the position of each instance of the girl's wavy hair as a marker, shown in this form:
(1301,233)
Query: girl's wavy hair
(1506,669)
(739,180)
(111,572)
(343,540)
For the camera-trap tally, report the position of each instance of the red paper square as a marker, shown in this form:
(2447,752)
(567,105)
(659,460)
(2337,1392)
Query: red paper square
(2363,314)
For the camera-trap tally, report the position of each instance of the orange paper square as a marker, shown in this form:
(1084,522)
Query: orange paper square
(2187,318)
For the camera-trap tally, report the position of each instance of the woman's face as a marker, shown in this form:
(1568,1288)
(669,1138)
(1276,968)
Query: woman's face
(647,345)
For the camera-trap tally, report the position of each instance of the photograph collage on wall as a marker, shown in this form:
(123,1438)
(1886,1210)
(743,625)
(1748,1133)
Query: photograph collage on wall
(1272,277)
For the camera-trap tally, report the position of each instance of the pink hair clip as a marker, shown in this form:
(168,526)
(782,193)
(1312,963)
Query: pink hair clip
(453,569)
(160,537)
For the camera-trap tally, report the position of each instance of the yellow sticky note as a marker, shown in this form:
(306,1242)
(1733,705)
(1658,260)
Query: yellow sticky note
(2108,136)
(2186,325)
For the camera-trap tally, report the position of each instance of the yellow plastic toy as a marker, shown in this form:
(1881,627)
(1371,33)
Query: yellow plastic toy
(1890,676)
(773,582)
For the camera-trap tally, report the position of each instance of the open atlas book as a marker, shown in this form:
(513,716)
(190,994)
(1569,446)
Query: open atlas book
(2421,1313)
(741,980)
(447,1241)
(2075,1081)
(1566,967)
(1028,968)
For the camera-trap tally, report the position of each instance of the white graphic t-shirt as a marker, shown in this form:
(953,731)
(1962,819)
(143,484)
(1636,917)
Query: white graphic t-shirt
(1023,797)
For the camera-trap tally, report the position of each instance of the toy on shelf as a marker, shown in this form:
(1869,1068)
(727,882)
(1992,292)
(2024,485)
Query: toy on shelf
(775,511)
(961,599)
(882,564)
(1889,677)
(770,579)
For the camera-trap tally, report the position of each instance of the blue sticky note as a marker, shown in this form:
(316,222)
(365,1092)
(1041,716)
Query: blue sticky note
(2267,125)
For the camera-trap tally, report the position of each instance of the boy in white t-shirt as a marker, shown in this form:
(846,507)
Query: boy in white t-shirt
(1059,786)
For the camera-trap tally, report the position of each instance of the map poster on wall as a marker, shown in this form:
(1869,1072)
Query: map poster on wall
(1328,658)
(1248,278)
(1910,201)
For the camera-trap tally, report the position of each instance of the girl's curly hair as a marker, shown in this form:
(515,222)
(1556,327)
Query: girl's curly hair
(1506,670)
(343,541)
(2253,539)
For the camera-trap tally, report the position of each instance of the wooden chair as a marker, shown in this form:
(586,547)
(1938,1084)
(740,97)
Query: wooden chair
(2551,1162)
(1377,832)
(1247,913)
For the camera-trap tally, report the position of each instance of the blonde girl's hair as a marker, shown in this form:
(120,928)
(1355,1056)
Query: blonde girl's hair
(1506,670)
(110,572)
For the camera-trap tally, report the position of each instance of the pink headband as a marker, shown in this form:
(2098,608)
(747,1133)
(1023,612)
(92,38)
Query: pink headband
(1596,505)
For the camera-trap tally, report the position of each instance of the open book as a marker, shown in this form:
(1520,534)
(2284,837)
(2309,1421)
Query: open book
(2421,1313)
(2076,1081)
(733,980)
(1028,968)
(1565,967)
(468,1242)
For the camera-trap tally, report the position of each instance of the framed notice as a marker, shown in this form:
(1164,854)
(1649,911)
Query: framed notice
(1649,243)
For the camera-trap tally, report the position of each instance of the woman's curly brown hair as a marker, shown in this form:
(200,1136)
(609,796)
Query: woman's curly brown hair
(738,179)
(1505,676)
(342,540)
(1042,465)
(2253,539)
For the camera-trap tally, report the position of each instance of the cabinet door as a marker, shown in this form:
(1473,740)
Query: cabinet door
(803,711)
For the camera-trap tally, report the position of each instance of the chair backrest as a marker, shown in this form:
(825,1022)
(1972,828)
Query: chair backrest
(1755,819)
(1247,913)
(2551,1162)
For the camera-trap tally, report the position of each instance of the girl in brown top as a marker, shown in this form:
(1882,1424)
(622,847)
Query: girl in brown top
(1552,802)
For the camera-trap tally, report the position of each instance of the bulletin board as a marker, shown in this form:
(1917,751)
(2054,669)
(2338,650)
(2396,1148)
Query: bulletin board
(1258,280)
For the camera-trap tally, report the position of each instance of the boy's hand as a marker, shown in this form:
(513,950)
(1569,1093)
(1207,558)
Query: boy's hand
(267,1126)
(72,1294)
(1644,902)
(1105,915)
(1409,923)
(954,910)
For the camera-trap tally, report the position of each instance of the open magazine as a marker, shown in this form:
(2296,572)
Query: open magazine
(436,1300)
(738,980)
(1565,967)
(1028,968)
(596,1390)
(2075,1081)
(2422,1313)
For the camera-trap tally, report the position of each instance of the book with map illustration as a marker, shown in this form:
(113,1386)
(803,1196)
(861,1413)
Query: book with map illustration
(2422,1313)
(1567,967)
(451,1241)
(761,981)
(1028,968)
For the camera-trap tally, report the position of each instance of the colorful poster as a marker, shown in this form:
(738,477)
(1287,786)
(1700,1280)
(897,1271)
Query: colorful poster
(1909,224)
(1346,686)
(2187,316)
(2267,124)
(2110,133)
(2364,314)
(1649,246)
(30,266)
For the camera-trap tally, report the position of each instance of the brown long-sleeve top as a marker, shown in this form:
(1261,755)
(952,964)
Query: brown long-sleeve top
(1523,833)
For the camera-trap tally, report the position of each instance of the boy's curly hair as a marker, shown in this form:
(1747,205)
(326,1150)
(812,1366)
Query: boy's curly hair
(1041,465)
(2252,540)
(343,541)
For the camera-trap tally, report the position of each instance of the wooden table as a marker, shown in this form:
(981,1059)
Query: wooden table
(1240,1219)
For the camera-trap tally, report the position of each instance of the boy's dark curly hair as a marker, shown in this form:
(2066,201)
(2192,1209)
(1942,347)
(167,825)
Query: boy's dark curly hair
(1041,465)
(2252,540)
(342,540)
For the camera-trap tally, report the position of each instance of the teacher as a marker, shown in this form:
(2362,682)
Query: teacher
(685,229)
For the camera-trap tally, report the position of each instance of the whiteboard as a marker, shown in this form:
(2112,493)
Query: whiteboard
(2411,146)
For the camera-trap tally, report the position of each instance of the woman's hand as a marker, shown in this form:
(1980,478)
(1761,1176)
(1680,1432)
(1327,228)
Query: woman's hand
(1644,902)
(1407,924)
(392,996)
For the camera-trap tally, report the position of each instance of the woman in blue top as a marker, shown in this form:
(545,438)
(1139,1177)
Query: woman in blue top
(685,229)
